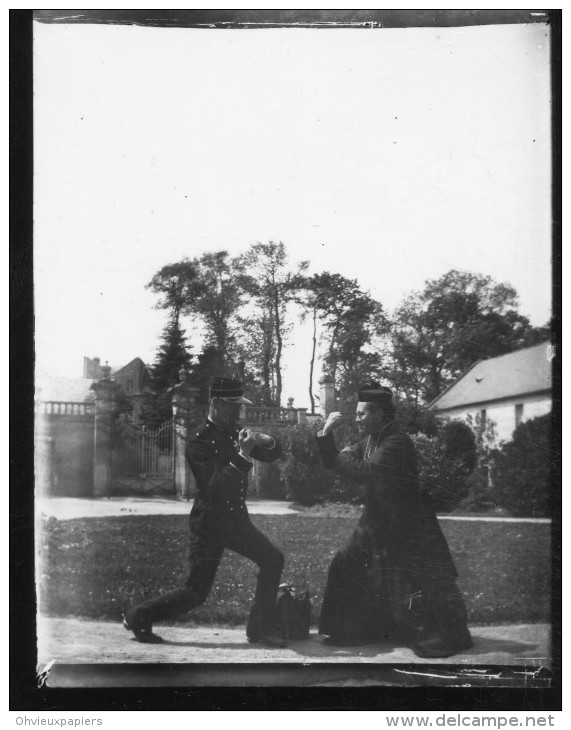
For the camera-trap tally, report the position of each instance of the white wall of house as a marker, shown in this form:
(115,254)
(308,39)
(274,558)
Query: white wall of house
(505,414)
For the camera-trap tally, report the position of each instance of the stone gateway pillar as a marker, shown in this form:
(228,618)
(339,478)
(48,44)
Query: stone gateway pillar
(184,409)
(327,395)
(105,396)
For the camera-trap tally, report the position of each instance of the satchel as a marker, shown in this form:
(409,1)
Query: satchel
(293,612)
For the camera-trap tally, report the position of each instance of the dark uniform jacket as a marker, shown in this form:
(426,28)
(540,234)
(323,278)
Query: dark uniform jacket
(221,476)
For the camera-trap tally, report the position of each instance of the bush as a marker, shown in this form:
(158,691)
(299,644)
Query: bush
(479,499)
(460,445)
(415,419)
(266,481)
(305,480)
(522,470)
(445,462)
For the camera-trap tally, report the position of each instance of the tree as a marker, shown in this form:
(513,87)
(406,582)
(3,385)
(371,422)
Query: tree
(178,286)
(257,349)
(351,320)
(308,299)
(207,287)
(272,286)
(207,363)
(218,298)
(357,358)
(172,355)
(455,320)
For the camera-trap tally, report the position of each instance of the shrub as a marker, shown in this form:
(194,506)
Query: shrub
(445,463)
(305,480)
(460,445)
(266,481)
(522,469)
(415,418)
(480,499)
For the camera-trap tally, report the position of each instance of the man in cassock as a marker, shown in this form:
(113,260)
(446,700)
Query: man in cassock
(396,580)
(220,455)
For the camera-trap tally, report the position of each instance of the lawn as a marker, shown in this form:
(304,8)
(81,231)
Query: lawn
(98,567)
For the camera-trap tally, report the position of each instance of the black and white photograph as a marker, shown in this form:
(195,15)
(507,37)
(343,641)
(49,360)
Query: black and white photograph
(293,302)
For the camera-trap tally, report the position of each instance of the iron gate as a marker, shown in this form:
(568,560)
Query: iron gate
(142,458)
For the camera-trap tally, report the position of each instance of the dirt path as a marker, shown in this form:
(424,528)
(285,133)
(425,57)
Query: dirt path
(71,640)
(70,508)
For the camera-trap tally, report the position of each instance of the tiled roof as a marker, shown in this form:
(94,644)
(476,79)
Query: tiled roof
(517,373)
(129,365)
(74,390)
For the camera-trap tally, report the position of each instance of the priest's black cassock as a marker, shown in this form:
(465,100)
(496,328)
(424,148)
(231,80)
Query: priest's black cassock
(396,579)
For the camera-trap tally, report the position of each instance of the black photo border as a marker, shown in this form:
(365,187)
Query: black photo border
(291,689)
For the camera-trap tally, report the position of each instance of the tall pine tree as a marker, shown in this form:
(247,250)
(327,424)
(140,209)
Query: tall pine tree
(172,355)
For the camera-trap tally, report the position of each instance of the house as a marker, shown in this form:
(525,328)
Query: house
(133,379)
(64,390)
(505,390)
(92,368)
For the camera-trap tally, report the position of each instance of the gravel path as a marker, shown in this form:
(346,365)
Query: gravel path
(70,508)
(72,640)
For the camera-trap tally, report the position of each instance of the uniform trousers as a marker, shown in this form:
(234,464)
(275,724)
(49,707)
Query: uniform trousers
(206,550)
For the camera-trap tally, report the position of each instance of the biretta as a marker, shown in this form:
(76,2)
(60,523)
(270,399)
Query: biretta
(227,389)
(374,393)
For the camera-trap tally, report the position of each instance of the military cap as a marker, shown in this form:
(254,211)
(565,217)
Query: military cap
(226,389)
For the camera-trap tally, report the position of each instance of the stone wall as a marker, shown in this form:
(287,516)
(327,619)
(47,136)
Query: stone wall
(74,441)
(64,449)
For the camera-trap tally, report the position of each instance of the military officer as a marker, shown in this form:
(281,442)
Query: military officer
(220,455)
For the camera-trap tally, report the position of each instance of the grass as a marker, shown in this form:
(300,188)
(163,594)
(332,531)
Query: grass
(98,567)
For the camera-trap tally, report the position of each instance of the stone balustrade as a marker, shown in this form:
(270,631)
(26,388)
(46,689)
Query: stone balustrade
(264,414)
(74,439)
(65,408)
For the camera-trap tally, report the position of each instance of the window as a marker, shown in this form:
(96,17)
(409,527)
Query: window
(129,386)
(483,419)
(518,414)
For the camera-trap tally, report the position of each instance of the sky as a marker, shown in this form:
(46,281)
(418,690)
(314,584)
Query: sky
(389,156)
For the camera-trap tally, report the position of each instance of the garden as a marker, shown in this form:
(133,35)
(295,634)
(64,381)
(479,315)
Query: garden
(99,567)
(458,464)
